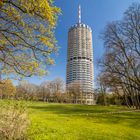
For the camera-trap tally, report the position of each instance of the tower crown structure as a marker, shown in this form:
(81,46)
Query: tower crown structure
(79,14)
(80,60)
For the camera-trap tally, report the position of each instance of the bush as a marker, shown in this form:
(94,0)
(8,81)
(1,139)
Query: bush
(13,120)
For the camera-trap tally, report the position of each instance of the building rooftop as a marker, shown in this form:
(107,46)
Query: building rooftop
(80,25)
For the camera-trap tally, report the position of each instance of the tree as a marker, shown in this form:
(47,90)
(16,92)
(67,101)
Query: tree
(27,36)
(121,62)
(102,90)
(75,92)
(7,89)
(45,91)
(58,89)
(27,91)
(52,90)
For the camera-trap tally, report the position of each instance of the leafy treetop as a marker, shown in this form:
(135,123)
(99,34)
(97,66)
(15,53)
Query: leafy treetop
(27,36)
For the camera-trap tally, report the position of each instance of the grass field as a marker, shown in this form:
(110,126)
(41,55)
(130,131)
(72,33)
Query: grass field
(81,122)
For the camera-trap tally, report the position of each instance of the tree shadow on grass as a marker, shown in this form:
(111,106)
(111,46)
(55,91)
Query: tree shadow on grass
(131,119)
(73,109)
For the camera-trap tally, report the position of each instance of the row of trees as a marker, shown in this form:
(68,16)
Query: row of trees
(121,61)
(48,91)
(54,91)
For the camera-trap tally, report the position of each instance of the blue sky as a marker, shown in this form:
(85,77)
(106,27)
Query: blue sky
(95,13)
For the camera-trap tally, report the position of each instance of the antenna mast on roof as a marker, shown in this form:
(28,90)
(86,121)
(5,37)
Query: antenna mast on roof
(79,14)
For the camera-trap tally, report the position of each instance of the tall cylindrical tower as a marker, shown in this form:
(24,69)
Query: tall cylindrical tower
(80,58)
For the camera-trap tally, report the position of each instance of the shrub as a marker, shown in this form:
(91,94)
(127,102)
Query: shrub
(13,120)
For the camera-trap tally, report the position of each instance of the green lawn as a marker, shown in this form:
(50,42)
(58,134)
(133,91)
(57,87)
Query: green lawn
(81,122)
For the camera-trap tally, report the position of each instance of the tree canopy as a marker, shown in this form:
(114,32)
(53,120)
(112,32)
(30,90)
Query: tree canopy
(27,37)
(7,88)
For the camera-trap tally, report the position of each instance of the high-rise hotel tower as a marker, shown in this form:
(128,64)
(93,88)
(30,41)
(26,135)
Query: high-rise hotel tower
(80,59)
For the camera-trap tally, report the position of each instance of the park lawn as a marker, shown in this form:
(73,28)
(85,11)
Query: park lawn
(81,122)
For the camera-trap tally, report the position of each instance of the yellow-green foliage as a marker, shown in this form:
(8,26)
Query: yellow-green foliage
(82,122)
(7,89)
(27,35)
(13,120)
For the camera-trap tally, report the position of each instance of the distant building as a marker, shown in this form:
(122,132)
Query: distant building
(80,59)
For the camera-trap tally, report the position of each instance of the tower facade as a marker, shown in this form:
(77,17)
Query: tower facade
(80,60)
